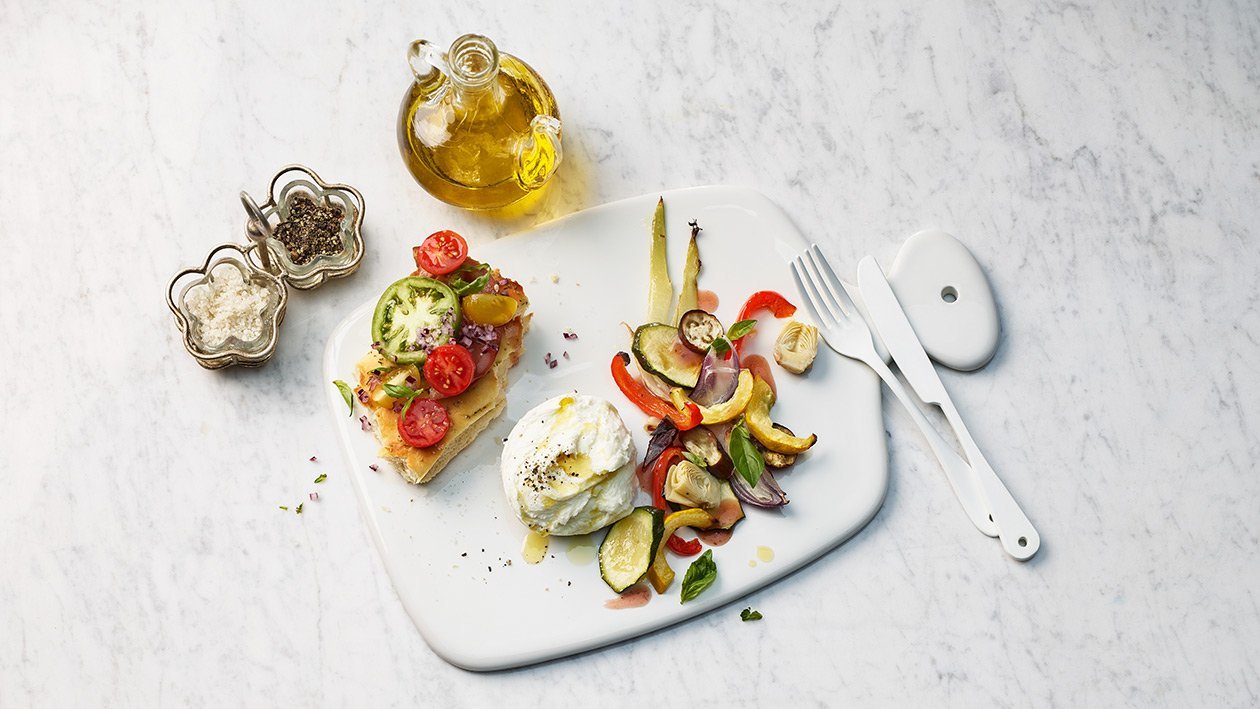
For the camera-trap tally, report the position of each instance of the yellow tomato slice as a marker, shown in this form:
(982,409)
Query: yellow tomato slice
(489,309)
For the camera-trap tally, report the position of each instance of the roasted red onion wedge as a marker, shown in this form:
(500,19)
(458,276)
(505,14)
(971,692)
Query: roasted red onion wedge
(663,437)
(718,378)
(767,494)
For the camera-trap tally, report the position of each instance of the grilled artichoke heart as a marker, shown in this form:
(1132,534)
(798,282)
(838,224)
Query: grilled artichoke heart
(688,484)
(796,347)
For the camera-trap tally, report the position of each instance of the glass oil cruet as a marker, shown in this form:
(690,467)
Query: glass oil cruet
(478,128)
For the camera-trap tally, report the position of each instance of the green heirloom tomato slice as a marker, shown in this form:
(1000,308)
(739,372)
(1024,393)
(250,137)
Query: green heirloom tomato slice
(413,316)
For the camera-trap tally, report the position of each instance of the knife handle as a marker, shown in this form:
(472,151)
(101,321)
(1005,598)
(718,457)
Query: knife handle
(956,469)
(1018,536)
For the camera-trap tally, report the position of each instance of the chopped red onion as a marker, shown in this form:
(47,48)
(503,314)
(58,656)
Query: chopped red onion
(570,335)
(479,333)
(364,423)
(374,467)
(314,496)
(566,354)
(313,459)
(363,396)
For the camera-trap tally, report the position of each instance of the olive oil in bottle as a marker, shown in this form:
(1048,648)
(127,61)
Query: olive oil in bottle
(478,129)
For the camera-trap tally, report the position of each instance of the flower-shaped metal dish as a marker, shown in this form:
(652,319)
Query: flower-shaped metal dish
(193,284)
(294,180)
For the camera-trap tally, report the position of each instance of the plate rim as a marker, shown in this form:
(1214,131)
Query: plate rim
(610,636)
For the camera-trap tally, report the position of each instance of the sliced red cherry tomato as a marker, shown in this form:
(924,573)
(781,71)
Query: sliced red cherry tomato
(683,419)
(763,300)
(442,252)
(449,369)
(423,423)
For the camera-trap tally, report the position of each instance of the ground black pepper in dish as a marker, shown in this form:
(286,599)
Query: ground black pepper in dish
(311,230)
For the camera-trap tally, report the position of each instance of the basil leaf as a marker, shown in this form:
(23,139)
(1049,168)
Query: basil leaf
(399,392)
(721,345)
(741,328)
(695,460)
(472,265)
(407,406)
(700,575)
(463,288)
(346,394)
(747,459)
(749,614)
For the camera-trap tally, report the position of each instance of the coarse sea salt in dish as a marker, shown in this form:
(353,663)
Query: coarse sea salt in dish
(227,305)
(568,466)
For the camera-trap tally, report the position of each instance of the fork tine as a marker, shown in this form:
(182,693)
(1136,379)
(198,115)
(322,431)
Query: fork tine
(812,300)
(816,278)
(831,280)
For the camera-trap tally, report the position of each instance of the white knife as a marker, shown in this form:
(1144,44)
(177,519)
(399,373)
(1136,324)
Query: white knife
(1016,533)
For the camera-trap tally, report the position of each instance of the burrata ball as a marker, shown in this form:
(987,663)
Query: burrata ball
(568,466)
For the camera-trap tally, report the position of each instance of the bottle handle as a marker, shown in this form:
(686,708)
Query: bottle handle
(424,58)
(539,153)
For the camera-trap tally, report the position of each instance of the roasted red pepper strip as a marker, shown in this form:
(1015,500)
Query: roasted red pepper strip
(683,548)
(652,405)
(764,300)
(660,470)
(767,300)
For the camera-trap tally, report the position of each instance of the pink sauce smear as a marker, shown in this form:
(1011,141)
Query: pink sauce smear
(714,537)
(760,367)
(707,300)
(636,596)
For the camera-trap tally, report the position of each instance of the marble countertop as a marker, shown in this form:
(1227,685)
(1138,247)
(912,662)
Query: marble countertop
(1102,164)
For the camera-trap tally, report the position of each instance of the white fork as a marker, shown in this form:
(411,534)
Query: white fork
(844,331)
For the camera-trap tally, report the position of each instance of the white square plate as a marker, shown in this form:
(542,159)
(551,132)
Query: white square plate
(447,544)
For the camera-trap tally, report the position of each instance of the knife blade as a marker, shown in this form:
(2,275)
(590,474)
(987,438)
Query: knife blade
(1017,534)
